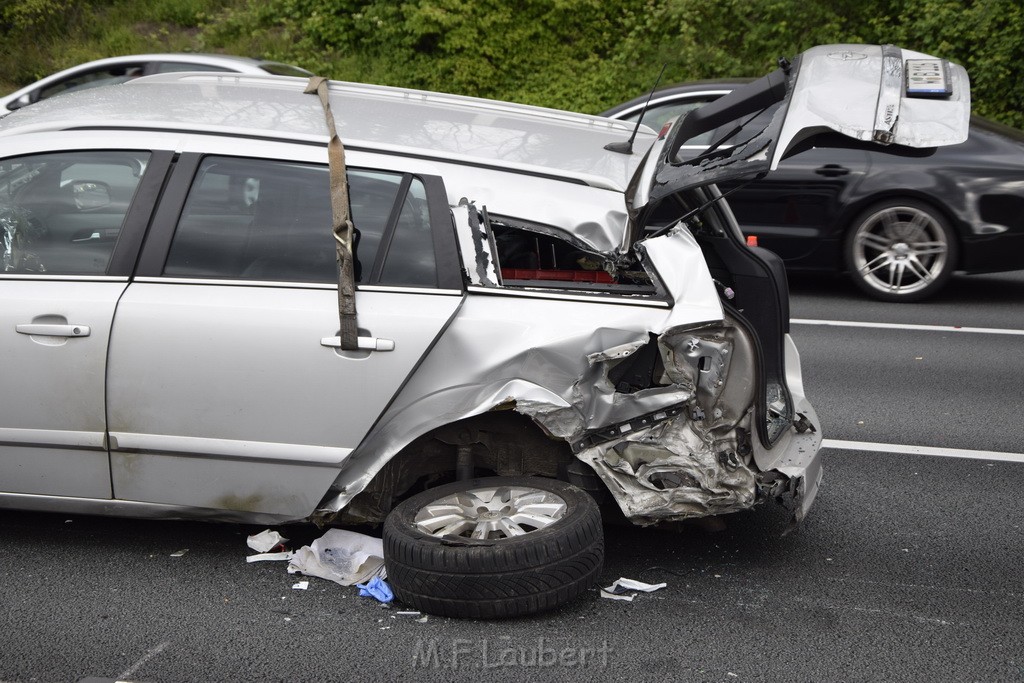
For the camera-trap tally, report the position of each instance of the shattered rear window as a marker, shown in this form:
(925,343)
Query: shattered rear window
(536,256)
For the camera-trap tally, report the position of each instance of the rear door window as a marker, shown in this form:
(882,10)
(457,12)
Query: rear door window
(271,220)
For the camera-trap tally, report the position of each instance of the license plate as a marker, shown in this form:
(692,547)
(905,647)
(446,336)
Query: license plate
(928,78)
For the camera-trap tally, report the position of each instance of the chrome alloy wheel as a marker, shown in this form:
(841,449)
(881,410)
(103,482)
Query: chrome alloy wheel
(901,250)
(491,512)
(493,547)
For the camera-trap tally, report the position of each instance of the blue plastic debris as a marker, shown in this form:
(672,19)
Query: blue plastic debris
(376,588)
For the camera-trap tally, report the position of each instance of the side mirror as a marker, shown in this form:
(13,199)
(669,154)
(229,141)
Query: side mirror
(90,194)
(22,101)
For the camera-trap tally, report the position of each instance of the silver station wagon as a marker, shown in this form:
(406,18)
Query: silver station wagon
(504,347)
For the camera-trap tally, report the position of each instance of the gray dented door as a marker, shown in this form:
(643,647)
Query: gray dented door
(879,94)
(655,398)
(227,394)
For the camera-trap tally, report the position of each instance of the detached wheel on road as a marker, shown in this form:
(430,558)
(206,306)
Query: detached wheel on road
(494,547)
(900,250)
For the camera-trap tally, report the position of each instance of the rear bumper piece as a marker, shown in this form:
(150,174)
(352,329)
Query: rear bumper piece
(669,467)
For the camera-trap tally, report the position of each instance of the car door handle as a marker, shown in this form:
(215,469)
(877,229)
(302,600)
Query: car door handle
(51,330)
(832,170)
(365,343)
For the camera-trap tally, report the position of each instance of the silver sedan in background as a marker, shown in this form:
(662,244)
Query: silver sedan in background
(113,70)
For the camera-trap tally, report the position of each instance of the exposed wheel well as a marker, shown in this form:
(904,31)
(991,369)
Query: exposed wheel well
(497,443)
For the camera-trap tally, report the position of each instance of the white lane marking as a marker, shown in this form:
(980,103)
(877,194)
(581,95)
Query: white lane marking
(922,450)
(901,326)
(145,658)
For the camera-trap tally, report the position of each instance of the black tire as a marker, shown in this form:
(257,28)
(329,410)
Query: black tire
(900,250)
(500,576)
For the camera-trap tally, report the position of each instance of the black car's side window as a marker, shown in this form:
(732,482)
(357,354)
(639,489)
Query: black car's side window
(657,115)
(269,220)
(62,213)
(93,79)
(175,67)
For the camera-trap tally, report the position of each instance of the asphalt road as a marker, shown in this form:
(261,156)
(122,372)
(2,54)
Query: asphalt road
(908,568)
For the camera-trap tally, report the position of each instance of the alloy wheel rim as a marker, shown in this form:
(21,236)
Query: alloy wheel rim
(491,513)
(900,250)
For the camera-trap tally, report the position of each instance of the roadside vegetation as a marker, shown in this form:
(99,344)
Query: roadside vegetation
(584,55)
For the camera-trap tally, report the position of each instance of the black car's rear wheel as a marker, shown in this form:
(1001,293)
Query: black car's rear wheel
(494,547)
(900,250)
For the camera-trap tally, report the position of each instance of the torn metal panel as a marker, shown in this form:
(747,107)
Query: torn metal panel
(479,264)
(696,461)
(673,471)
(676,259)
(515,349)
(860,91)
(796,456)
(887,111)
(593,217)
(658,402)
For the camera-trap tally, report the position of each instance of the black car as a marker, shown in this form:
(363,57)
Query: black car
(899,225)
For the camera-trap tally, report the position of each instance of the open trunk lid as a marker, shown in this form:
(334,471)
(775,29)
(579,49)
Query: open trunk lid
(830,95)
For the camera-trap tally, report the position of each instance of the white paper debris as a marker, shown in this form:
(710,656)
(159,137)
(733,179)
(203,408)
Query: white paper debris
(179,553)
(269,557)
(631,585)
(623,589)
(300,586)
(265,540)
(628,597)
(342,556)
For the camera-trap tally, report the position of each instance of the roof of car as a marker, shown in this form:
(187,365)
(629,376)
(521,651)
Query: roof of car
(237,63)
(233,62)
(452,127)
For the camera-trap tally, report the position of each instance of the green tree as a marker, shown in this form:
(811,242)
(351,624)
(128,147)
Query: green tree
(584,55)
(986,36)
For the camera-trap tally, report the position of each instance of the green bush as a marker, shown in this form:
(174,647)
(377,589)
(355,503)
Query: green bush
(587,55)
(986,36)
(44,36)
(575,54)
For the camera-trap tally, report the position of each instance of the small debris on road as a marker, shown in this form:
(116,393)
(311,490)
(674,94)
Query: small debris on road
(625,589)
(342,556)
(376,588)
(266,540)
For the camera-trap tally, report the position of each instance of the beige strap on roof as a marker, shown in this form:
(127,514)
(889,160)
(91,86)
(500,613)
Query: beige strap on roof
(342,228)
